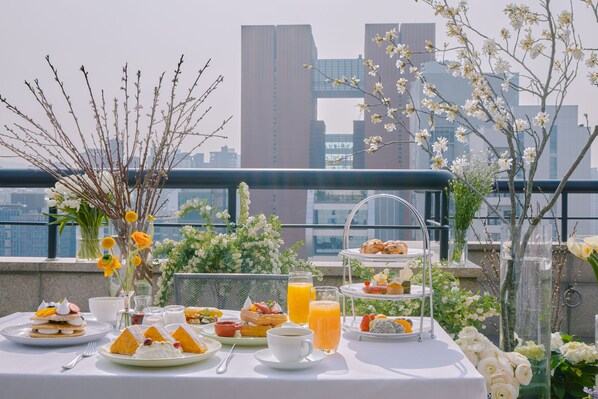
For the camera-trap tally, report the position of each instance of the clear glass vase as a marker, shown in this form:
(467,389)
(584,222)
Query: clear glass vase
(121,231)
(124,316)
(88,243)
(525,296)
(457,245)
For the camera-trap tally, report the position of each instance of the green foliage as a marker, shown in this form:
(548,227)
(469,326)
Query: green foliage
(472,171)
(251,246)
(455,307)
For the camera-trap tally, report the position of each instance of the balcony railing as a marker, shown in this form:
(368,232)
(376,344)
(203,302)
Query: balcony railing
(433,183)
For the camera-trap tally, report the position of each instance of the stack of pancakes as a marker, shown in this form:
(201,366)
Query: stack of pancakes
(47,323)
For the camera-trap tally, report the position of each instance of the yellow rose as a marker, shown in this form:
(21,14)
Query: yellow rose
(108,243)
(142,240)
(136,260)
(108,263)
(131,217)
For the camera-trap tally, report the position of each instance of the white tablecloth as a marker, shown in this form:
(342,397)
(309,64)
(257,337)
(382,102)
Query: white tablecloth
(433,368)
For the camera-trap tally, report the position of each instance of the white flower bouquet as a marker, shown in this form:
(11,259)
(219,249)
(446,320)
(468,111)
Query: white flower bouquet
(504,372)
(574,365)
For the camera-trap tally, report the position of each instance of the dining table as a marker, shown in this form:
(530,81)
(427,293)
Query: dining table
(360,369)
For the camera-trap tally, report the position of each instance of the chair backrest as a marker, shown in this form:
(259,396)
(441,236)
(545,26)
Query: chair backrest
(229,291)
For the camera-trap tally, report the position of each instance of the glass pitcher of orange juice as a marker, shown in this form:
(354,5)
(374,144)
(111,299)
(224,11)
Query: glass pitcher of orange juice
(325,318)
(298,296)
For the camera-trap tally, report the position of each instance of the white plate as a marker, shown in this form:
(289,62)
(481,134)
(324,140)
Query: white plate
(411,253)
(20,334)
(266,357)
(356,290)
(188,358)
(352,326)
(208,331)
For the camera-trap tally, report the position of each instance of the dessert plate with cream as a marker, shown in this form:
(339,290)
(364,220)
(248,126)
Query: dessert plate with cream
(266,357)
(21,334)
(208,331)
(187,358)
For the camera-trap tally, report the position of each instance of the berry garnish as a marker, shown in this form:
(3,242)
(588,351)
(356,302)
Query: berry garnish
(367,283)
(147,342)
(177,344)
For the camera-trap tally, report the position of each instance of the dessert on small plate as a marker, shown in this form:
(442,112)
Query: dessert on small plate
(266,357)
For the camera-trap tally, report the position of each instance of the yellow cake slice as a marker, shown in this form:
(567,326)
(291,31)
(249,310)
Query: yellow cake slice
(128,341)
(251,330)
(190,341)
(157,332)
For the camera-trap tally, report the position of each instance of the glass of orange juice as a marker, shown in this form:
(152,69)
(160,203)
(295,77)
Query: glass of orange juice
(298,296)
(325,318)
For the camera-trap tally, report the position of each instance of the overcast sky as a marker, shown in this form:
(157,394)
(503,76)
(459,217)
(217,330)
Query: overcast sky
(151,35)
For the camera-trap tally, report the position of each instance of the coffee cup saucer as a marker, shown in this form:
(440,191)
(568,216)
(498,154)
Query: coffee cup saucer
(266,357)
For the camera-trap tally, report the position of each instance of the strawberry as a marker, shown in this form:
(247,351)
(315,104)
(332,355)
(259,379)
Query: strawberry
(365,323)
(263,308)
(176,344)
(74,308)
(367,283)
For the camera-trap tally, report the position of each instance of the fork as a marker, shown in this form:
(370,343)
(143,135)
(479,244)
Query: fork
(89,351)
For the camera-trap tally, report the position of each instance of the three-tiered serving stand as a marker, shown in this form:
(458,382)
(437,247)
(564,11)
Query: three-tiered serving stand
(354,290)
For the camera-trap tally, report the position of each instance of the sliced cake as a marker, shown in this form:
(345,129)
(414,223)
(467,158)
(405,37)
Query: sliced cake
(190,341)
(128,341)
(158,333)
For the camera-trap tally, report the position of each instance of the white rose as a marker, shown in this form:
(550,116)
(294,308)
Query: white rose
(469,333)
(556,341)
(503,391)
(487,367)
(500,377)
(471,356)
(490,351)
(516,358)
(523,374)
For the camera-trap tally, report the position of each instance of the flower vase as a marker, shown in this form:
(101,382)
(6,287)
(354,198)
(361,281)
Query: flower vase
(457,245)
(88,243)
(525,298)
(123,318)
(121,231)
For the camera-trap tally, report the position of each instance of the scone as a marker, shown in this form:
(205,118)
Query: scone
(372,246)
(395,248)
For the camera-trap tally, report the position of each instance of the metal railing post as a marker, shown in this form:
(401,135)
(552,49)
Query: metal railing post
(444,233)
(52,234)
(564,215)
(232,203)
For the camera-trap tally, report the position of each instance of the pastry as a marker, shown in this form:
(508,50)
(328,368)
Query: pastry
(202,315)
(394,288)
(158,333)
(158,350)
(395,248)
(375,289)
(57,320)
(190,341)
(372,246)
(386,326)
(128,341)
(263,314)
(250,330)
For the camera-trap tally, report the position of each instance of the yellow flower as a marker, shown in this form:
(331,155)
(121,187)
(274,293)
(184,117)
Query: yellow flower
(108,263)
(108,242)
(136,260)
(142,240)
(586,250)
(131,217)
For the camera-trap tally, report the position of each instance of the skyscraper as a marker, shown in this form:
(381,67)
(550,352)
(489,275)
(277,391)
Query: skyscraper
(279,126)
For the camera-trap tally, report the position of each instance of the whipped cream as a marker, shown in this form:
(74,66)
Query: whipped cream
(42,305)
(76,322)
(48,331)
(157,350)
(247,303)
(37,322)
(66,332)
(63,309)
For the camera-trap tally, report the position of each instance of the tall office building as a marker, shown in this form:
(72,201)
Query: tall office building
(279,125)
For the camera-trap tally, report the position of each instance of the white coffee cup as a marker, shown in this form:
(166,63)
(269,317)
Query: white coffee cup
(290,344)
(105,308)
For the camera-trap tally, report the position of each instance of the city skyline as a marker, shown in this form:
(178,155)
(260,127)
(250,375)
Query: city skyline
(152,38)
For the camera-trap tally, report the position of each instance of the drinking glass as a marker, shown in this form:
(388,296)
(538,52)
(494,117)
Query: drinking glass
(298,296)
(325,318)
(174,314)
(153,314)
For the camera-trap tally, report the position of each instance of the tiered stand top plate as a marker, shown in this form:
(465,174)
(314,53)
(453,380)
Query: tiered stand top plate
(356,290)
(412,253)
